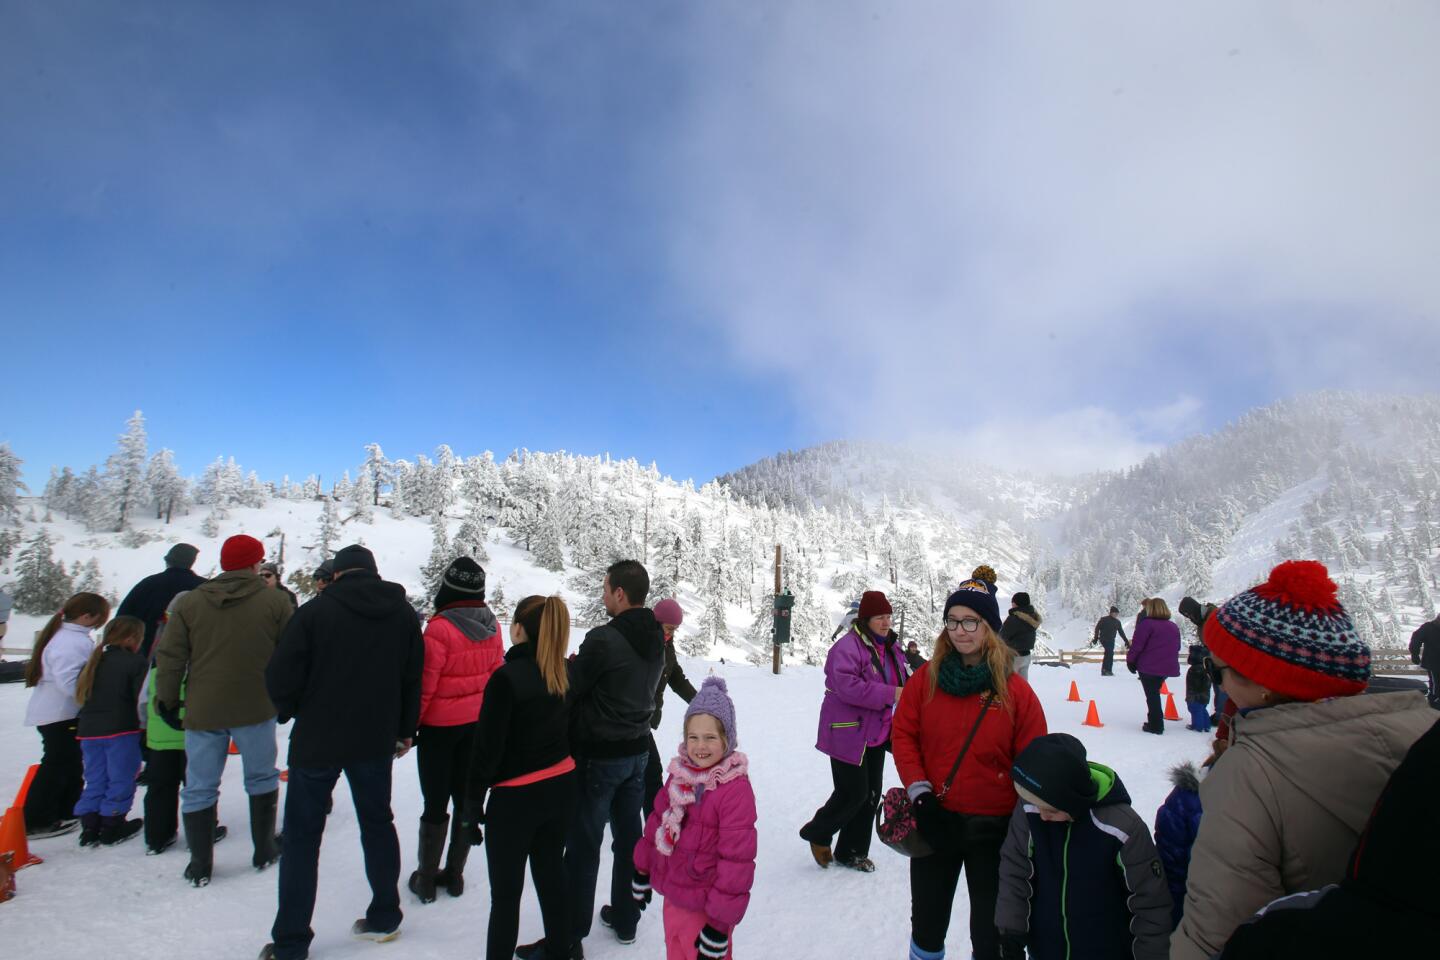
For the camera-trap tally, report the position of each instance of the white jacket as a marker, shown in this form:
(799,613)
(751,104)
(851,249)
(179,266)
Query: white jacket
(53,698)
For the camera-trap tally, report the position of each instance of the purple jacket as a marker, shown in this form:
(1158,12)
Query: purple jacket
(855,713)
(1155,648)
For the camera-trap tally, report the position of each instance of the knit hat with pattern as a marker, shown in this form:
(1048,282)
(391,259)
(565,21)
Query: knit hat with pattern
(979,596)
(714,698)
(463,581)
(1291,635)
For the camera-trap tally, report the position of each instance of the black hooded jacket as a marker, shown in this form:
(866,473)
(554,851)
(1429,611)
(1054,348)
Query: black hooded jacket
(1018,630)
(148,599)
(348,670)
(612,686)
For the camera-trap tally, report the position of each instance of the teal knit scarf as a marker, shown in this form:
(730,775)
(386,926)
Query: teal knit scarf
(959,680)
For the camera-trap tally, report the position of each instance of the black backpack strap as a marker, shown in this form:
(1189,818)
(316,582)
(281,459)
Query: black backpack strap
(984,709)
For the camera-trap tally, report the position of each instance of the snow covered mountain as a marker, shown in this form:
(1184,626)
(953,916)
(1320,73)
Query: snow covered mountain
(1349,479)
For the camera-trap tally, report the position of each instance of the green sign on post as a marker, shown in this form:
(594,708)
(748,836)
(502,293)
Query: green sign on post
(784,602)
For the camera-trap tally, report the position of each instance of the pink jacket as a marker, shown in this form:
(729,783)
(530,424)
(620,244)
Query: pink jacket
(459,659)
(713,865)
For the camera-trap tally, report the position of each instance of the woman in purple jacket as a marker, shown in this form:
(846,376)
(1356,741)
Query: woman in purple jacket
(1154,654)
(864,674)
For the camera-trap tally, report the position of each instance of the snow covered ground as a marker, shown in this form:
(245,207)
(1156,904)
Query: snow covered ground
(119,903)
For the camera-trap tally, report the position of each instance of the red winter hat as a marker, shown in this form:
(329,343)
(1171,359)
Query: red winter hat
(873,604)
(1291,634)
(241,551)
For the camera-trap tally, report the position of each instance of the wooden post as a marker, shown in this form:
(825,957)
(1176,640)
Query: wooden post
(775,663)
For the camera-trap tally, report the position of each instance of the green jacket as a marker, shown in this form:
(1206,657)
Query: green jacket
(218,642)
(159,735)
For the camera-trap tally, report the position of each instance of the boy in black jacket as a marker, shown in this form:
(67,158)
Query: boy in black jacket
(1079,875)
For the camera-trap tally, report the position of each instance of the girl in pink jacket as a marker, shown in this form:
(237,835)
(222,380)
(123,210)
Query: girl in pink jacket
(698,849)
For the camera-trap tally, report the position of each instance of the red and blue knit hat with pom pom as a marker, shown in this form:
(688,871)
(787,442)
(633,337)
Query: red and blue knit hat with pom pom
(1291,635)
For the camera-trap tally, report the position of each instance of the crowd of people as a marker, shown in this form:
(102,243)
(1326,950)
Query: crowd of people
(1305,797)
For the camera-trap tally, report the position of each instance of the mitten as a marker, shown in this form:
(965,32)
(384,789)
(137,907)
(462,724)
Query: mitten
(926,810)
(1012,946)
(170,714)
(711,944)
(640,890)
(472,818)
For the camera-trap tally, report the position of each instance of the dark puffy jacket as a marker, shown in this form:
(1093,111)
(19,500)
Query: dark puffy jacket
(1091,887)
(1018,630)
(522,728)
(113,706)
(673,676)
(1425,645)
(348,670)
(612,686)
(1197,679)
(1176,823)
(148,599)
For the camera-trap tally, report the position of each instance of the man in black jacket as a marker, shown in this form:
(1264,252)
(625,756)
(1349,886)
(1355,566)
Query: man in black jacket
(1018,631)
(347,669)
(612,696)
(1425,651)
(148,599)
(1105,629)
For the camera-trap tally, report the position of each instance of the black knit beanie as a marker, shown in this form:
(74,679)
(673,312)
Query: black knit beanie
(464,580)
(1053,768)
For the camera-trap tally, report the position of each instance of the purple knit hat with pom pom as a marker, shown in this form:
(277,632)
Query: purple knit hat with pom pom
(714,699)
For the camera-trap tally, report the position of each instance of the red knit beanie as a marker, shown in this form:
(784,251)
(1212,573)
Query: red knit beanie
(1291,635)
(241,551)
(873,604)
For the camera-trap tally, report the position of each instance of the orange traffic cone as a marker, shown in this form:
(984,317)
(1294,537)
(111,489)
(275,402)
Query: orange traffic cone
(1170,712)
(234,750)
(1165,690)
(1092,717)
(12,827)
(1074,693)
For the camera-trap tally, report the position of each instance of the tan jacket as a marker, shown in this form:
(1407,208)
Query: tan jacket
(222,635)
(1284,806)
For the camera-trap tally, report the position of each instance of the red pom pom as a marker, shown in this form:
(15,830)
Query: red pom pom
(1301,583)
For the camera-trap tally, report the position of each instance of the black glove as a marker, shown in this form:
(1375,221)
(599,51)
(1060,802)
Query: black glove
(470,821)
(926,809)
(711,944)
(1132,668)
(1012,946)
(170,714)
(640,890)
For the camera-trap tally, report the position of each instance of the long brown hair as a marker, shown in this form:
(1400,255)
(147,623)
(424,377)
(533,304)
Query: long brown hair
(123,632)
(995,652)
(546,622)
(80,605)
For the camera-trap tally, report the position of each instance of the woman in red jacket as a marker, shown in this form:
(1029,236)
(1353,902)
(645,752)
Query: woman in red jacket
(462,649)
(966,687)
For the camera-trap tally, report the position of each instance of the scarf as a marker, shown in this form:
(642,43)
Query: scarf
(959,680)
(686,786)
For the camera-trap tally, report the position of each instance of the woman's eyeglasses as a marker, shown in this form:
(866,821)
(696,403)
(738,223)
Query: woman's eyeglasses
(968,624)
(1217,673)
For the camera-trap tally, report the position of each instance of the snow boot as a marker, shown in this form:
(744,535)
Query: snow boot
(90,830)
(432,844)
(200,838)
(116,829)
(362,930)
(452,878)
(262,829)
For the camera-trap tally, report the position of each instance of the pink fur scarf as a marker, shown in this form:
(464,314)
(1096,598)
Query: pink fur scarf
(687,785)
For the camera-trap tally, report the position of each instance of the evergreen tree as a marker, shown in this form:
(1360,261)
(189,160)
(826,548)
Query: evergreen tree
(124,488)
(41,586)
(10,484)
(167,488)
(378,469)
(498,603)
(89,579)
(210,526)
(329,531)
(440,555)
(548,552)
(363,499)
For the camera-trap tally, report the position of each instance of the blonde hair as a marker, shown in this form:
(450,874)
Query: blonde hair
(123,632)
(546,622)
(995,652)
(80,605)
(1156,609)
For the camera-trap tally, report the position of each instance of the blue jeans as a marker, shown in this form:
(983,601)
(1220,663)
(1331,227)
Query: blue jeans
(1199,715)
(611,792)
(205,752)
(110,767)
(306,798)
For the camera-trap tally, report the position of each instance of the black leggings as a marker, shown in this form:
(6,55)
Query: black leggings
(442,756)
(163,776)
(1154,715)
(528,823)
(57,784)
(851,807)
(974,845)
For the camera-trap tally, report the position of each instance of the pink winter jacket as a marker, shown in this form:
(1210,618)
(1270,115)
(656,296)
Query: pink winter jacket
(713,865)
(462,649)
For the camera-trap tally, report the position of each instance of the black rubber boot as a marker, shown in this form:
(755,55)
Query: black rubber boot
(432,844)
(90,826)
(200,838)
(262,829)
(452,878)
(116,829)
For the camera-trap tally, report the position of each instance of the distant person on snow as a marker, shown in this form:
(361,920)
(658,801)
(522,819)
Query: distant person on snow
(1018,631)
(864,674)
(670,616)
(1197,613)
(347,669)
(1425,651)
(913,657)
(463,650)
(270,573)
(1197,689)
(1155,655)
(149,598)
(324,574)
(7,603)
(1105,630)
(699,847)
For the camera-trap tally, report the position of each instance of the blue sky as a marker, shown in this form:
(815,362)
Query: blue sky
(702,233)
